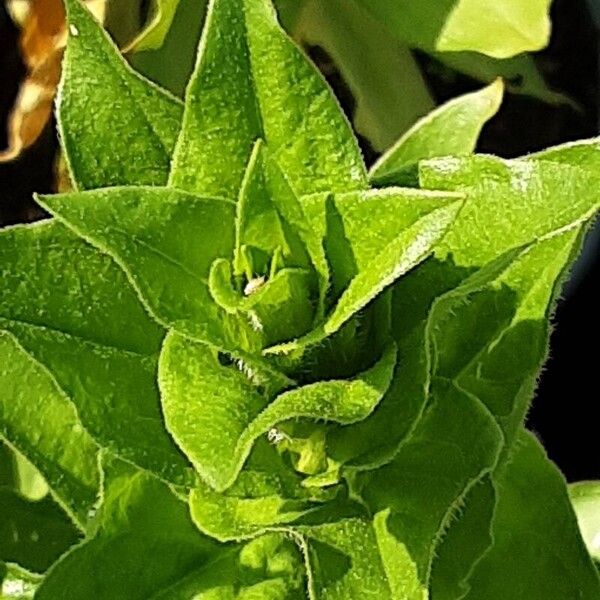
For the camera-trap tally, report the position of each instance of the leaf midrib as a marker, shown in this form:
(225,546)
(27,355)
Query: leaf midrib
(79,338)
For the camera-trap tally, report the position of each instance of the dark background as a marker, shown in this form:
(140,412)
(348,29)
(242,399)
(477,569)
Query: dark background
(563,413)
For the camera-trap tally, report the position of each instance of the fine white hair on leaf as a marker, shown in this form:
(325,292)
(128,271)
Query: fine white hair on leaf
(248,371)
(255,321)
(253,285)
(275,436)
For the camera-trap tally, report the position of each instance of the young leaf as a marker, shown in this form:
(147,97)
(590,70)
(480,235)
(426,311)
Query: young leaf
(217,432)
(135,556)
(409,525)
(42,424)
(236,97)
(131,136)
(402,254)
(410,222)
(259,225)
(451,129)
(517,201)
(266,495)
(267,568)
(91,333)
(168,272)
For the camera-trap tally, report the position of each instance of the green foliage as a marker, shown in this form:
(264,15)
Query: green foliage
(503,29)
(245,372)
(585,497)
(451,130)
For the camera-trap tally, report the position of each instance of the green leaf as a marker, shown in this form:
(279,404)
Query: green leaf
(154,33)
(535,533)
(42,424)
(231,411)
(88,329)
(168,272)
(380,452)
(455,443)
(493,338)
(33,534)
(582,153)
(489,335)
(236,97)
(520,200)
(260,228)
(115,562)
(402,254)
(364,262)
(499,30)
(135,124)
(357,559)
(520,74)
(452,129)
(349,556)
(172,63)
(134,555)
(387,86)
(466,541)
(266,495)
(585,497)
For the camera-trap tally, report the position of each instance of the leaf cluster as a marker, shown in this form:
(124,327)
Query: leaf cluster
(245,367)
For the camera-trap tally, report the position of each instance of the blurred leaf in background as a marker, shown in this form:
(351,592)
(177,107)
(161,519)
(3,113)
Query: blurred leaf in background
(165,50)
(498,29)
(381,72)
(585,496)
(154,33)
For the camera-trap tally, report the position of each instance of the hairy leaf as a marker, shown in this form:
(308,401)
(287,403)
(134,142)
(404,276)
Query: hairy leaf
(135,555)
(43,425)
(131,135)
(529,541)
(168,272)
(364,262)
(228,411)
(452,129)
(90,332)
(235,97)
